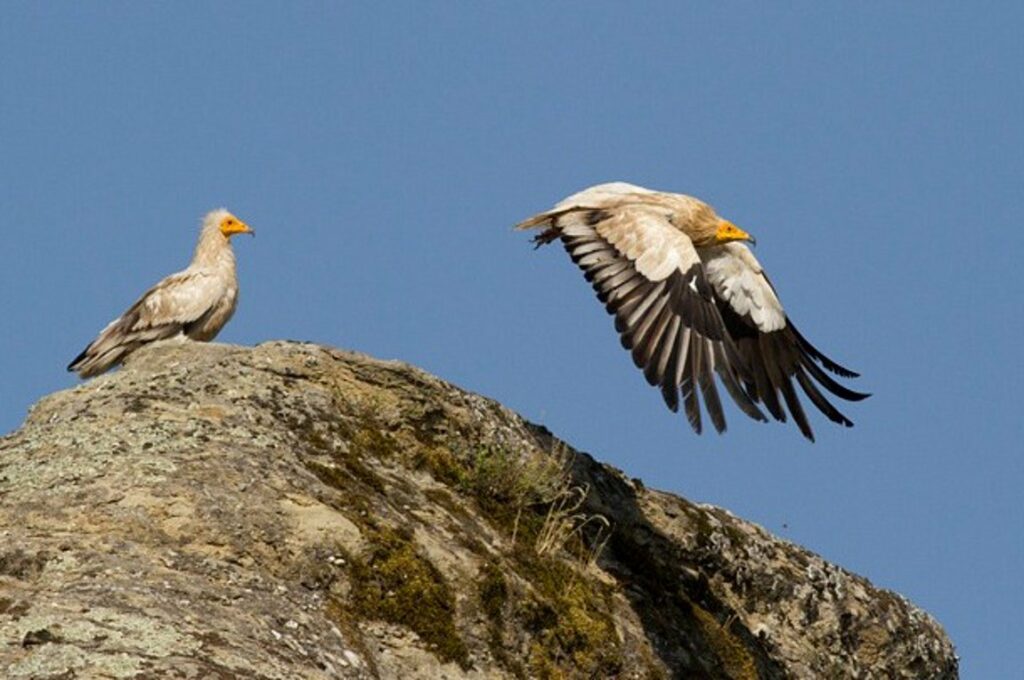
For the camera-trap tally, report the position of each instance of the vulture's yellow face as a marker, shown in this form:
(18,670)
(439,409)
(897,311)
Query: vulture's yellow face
(727,231)
(231,225)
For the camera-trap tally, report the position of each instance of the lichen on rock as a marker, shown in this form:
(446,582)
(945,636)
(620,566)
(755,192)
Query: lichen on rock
(294,511)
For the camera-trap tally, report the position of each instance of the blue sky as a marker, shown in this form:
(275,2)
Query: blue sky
(384,150)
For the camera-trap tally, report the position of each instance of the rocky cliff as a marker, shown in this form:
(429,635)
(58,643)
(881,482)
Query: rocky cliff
(293,511)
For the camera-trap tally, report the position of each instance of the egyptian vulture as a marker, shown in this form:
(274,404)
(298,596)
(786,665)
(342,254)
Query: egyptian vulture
(691,301)
(194,303)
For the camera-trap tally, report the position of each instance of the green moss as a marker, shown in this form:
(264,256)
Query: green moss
(736,660)
(328,474)
(370,441)
(394,583)
(316,440)
(440,463)
(443,499)
(571,620)
(340,476)
(568,617)
(320,438)
(494,594)
(493,591)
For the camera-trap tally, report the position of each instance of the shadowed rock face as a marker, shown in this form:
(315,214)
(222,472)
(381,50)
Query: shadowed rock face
(293,511)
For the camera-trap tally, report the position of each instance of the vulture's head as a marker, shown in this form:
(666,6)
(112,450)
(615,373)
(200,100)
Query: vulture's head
(727,231)
(226,223)
(700,222)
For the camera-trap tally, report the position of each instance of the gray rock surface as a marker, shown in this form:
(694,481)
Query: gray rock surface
(293,511)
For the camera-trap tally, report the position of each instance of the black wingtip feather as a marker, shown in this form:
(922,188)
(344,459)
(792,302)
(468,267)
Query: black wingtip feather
(796,408)
(728,377)
(813,351)
(830,384)
(819,400)
(670,393)
(689,389)
(73,366)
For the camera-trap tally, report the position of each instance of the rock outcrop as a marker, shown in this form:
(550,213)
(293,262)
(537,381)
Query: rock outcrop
(293,511)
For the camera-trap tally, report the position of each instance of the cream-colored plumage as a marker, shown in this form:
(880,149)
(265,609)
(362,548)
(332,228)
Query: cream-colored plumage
(690,302)
(194,303)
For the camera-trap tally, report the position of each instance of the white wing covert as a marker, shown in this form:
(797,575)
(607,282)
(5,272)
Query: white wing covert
(773,352)
(178,300)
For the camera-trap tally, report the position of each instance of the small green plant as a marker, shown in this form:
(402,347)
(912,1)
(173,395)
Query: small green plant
(530,495)
(500,474)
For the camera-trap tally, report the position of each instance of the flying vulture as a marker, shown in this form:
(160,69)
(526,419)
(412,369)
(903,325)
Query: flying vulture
(691,301)
(194,303)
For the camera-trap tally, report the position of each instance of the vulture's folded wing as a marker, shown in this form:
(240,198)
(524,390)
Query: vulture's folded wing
(772,352)
(650,277)
(179,300)
(164,311)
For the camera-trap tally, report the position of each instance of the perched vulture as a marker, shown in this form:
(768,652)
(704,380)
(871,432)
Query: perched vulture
(690,300)
(194,303)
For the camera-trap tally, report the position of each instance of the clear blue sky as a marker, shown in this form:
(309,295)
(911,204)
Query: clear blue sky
(384,150)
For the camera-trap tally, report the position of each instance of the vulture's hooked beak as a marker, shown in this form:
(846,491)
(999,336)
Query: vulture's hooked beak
(727,231)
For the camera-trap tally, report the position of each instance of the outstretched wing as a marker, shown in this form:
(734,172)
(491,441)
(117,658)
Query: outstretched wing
(167,309)
(773,353)
(650,277)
